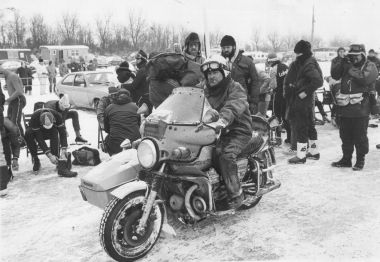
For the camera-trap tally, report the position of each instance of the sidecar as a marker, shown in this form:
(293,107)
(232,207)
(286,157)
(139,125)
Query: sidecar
(96,186)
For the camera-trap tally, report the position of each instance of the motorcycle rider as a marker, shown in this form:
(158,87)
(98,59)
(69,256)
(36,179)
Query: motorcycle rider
(243,70)
(229,101)
(192,48)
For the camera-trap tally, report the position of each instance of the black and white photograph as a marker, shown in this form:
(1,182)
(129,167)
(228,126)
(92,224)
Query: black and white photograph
(189,130)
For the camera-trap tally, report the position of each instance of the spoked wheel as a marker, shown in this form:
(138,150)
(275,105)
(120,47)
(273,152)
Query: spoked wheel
(118,234)
(251,200)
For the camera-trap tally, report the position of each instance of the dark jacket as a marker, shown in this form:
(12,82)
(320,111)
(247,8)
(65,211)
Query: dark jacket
(2,101)
(139,88)
(282,71)
(74,67)
(25,73)
(121,120)
(243,71)
(37,128)
(104,102)
(304,75)
(354,80)
(230,100)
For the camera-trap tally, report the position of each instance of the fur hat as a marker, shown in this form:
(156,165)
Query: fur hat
(357,49)
(227,40)
(47,120)
(302,47)
(142,54)
(192,37)
(64,102)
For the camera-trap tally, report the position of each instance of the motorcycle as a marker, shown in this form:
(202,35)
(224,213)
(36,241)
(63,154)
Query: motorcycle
(169,173)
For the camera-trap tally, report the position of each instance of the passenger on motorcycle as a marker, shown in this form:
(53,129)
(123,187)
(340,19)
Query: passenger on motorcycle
(229,100)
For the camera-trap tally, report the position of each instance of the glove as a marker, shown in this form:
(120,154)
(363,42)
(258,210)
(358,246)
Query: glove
(220,124)
(211,116)
(53,159)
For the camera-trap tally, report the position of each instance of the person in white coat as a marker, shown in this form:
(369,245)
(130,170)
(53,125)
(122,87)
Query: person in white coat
(42,74)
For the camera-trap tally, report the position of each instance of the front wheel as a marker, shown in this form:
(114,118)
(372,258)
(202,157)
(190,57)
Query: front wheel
(117,230)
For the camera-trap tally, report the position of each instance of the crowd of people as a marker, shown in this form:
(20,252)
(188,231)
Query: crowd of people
(235,89)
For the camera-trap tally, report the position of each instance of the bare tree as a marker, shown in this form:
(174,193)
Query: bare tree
(215,37)
(275,41)
(339,41)
(103,27)
(17,30)
(289,41)
(137,27)
(68,28)
(256,38)
(39,31)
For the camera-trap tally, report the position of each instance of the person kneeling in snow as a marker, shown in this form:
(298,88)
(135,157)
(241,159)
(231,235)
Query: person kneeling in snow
(62,106)
(121,121)
(48,124)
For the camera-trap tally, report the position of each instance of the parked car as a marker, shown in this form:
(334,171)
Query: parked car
(115,60)
(86,88)
(102,61)
(13,64)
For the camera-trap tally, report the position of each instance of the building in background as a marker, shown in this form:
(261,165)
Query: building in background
(56,53)
(16,54)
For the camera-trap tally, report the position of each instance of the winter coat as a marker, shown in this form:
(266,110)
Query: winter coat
(304,75)
(74,67)
(355,80)
(230,100)
(281,72)
(198,59)
(374,60)
(139,88)
(121,120)
(243,71)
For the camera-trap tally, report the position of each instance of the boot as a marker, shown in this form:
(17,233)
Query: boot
(313,151)
(344,162)
(236,202)
(63,170)
(5,176)
(36,164)
(300,158)
(15,165)
(359,163)
(80,139)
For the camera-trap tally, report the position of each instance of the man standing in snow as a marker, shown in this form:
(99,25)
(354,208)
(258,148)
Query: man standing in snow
(358,76)
(16,99)
(301,111)
(242,69)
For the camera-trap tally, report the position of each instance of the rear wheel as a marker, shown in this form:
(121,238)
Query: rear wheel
(117,230)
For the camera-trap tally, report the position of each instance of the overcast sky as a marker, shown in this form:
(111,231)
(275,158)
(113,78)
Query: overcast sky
(358,20)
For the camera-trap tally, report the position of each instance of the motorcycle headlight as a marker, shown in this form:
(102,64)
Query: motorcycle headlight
(147,153)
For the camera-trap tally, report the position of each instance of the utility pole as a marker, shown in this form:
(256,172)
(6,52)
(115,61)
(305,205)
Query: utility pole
(312,28)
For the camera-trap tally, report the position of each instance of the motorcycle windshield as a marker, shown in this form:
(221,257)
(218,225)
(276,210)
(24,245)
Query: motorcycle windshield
(183,106)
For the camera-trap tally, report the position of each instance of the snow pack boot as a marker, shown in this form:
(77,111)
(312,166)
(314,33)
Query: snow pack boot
(63,169)
(36,164)
(359,163)
(313,151)
(344,162)
(5,176)
(300,158)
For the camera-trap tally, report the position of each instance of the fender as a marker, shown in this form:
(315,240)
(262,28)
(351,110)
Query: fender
(127,188)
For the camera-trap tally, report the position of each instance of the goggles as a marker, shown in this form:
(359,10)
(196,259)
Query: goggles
(212,66)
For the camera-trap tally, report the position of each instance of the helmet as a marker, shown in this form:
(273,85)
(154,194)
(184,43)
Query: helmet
(215,62)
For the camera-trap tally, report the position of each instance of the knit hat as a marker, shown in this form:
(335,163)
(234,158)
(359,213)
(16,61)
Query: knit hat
(357,49)
(227,40)
(47,120)
(123,66)
(141,54)
(302,47)
(64,102)
(113,90)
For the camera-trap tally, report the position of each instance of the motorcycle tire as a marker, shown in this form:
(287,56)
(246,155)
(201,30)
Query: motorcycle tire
(119,221)
(267,162)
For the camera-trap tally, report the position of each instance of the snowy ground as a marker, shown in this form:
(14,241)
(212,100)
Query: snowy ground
(319,213)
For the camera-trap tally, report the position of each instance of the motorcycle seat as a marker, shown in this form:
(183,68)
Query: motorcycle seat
(252,147)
